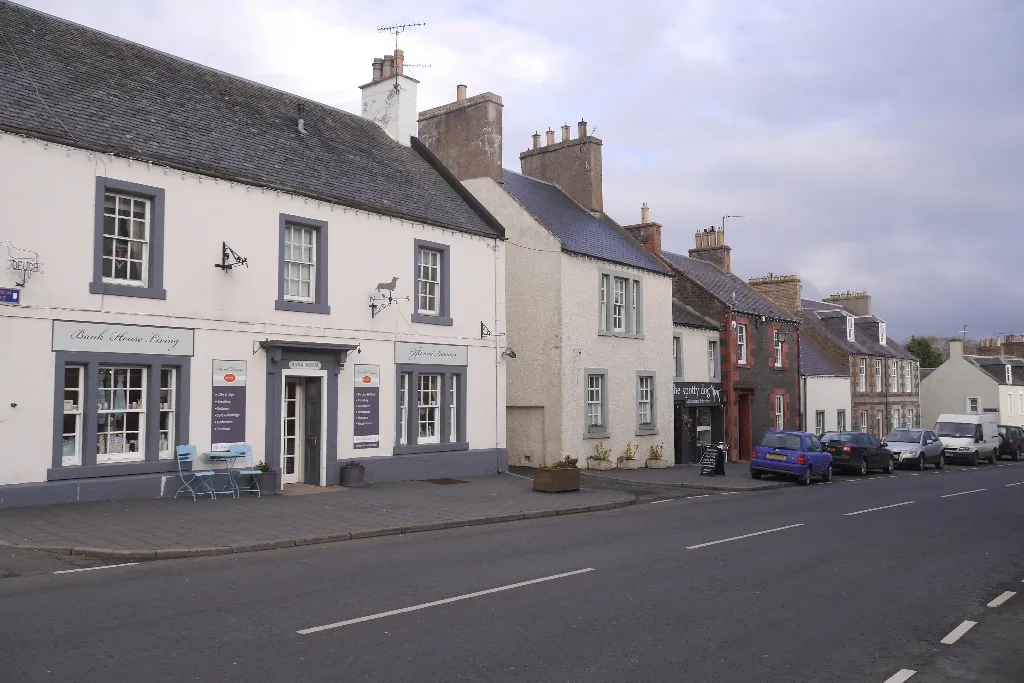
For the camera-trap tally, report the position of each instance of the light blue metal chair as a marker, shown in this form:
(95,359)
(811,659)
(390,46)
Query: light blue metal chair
(245,450)
(196,482)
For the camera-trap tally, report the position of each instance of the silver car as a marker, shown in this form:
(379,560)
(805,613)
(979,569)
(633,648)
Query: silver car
(916,448)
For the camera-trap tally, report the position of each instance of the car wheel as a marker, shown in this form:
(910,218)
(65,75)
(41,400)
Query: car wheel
(863,471)
(805,478)
(827,476)
(942,461)
(994,459)
(755,474)
(889,466)
(1016,455)
(920,462)
(974,459)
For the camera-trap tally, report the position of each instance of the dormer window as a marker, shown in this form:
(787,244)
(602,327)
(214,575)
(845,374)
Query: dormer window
(849,328)
(881,334)
(1009,375)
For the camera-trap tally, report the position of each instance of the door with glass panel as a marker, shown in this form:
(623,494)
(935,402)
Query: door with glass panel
(293,430)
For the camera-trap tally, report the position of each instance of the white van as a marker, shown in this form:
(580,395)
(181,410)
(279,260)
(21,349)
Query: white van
(969,438)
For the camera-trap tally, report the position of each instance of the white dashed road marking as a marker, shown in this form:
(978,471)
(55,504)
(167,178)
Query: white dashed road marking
(1001,599)
(963,493)
(667,500)
(89,569)
(737,538)
(1016,484)
(958,632)
(900,676)
(884,507)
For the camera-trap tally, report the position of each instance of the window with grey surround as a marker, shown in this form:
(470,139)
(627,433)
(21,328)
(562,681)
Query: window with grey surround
(432,278)
(677,355)
(620,305)
(430,411)
(128,244)
(972,405)
(595,404)
(302,265)
(841,420)
(713,360)
(646,404)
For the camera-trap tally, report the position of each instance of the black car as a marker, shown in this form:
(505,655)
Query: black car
(1011,441)
(858,451)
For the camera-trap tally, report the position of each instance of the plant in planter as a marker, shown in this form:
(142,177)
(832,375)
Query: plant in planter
(353,473)
(628,459)
(263,467)
(560,477)
(601,459)
(654,456)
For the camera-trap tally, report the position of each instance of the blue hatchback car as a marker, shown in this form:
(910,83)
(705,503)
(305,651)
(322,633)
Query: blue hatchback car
(791,453)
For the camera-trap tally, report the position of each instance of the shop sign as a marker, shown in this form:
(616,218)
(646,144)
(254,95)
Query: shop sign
(698,393)
(228,406)
(10,296)
(366,406)
(430,354)
(304,365)
(106,338)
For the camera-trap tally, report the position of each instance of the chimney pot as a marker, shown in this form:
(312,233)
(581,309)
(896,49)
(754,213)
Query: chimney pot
(460,93)
(378,68)
(582,125)
(565,132)
(645,213)
(399,61)
(389,66)
(696,237)
(536,140)
(550,137)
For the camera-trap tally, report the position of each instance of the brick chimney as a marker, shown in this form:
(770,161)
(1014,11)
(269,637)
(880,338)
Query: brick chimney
(573,165)
(646,232)
(466,135)
(711,247)
(389,99)
(858,303)
(783,290)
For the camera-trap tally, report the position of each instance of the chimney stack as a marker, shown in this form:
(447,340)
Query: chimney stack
(646,232)
(711,247)
(466,135)
(389,99)
(573,165)
(389,66)
(565,132)
(399,62)
(378,68)
(858,303)
(460,93)
(550,137)
(783,290)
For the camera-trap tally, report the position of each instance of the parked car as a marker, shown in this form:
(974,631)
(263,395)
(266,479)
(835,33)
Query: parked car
(791,453)
(969,437)
(1011,441)
(916,448)
(859,452)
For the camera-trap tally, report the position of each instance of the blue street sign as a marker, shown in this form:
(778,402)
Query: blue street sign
(10,296)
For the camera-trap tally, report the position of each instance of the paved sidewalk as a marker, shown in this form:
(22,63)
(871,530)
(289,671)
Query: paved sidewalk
(148,529)
(737,478)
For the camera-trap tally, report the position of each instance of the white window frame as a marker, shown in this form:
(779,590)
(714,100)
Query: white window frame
(619,304)
(294,265)
(646,403)
(1020,402)
(714,361)
(819,422)
(780,412)
(677,356)
(403,409)
(896,417)
(850,328)
(908,377)
(882,336)
(605,289)
(1009,375)
(841,420)
(595,404)
(741,344)
(880,421)
(104,455)
(75,410)
(428,281)
(862,374)
(778,348)
(879,375)
(634,312)
(126,241)
(864,421)
(432,410)
(168,409)
(453,413)
(894,377)
(977,405)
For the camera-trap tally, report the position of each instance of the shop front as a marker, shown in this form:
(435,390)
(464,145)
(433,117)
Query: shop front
(699,418)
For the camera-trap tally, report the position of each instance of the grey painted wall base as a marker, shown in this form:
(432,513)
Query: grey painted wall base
(107,488)
(415,467)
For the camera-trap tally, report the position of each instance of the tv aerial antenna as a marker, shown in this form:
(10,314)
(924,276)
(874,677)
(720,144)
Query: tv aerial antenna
(397,30)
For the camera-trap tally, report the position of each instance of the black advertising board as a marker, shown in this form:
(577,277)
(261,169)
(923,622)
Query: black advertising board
(228,418)
(712,461)
(366,406)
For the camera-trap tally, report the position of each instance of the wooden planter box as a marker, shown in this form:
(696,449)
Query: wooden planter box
(593,464)
(633,464)
(659,464)
(556,481)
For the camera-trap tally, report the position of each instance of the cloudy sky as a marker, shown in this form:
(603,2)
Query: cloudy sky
(873,144)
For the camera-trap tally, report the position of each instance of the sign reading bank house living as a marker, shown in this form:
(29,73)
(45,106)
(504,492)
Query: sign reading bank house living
(227,419)
(103,338)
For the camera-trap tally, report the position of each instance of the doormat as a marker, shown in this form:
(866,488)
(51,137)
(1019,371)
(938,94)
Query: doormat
(445,481)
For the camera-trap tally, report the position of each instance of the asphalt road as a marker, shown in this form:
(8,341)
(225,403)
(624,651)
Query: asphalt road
(835,590)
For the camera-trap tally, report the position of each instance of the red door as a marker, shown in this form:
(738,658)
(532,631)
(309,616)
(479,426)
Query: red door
(745,399)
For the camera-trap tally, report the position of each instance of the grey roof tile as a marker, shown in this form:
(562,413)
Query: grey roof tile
(723,285)
(686,316)
(578,230)
(120,97)
(995,367)
(864,344)
(814,361)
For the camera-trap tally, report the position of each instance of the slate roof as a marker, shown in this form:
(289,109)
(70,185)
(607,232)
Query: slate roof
(815,363)
(723,285)
(579,231)
(686,316)
(864,344)
(995,367)
(108,94)
(925,372)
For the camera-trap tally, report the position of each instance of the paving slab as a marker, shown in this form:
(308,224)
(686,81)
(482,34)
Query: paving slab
(147,529)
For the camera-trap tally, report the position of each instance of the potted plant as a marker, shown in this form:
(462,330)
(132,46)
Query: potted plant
(628,459)
(654,459)
(560,477)
(353,473)
(601,459)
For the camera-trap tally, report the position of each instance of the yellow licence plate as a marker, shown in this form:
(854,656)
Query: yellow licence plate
(775,456)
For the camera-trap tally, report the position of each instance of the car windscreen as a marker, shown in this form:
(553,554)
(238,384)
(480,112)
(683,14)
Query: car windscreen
(956,430)
(904,436)
(789,442)
(845,437)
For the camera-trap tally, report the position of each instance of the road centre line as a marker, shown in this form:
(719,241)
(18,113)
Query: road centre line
(901,676)
(884,507)
(737,538)
(957,633)
(963,493)
(1001,599)
(667,500)
(703,495)
(1015,484)
(437,603)
(89,569)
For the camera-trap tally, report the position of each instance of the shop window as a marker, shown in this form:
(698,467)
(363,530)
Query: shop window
(429,404)
(168,401)
(121,423)
(431,409)
(403,408)
(74,386)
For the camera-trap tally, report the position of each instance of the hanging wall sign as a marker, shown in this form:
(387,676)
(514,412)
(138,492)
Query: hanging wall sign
(430,354)
(304,365)
(104,338)
(227,423)
(366,406)
(698,393)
